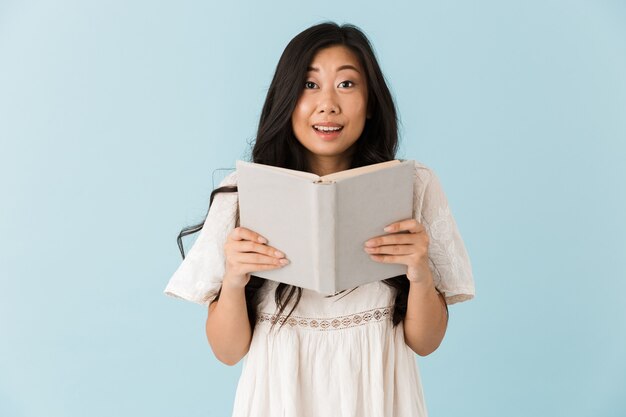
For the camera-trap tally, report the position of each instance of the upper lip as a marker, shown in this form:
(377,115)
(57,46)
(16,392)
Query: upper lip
(328,124)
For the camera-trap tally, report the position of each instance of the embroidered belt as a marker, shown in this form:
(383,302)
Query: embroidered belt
(331,323)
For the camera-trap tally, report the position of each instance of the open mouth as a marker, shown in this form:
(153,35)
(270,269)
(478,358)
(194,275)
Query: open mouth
(326,129)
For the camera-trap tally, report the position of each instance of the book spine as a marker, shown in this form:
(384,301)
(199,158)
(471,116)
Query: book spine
(325,215)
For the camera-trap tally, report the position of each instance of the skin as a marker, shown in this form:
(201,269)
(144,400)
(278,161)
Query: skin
(340,96)
(331,94)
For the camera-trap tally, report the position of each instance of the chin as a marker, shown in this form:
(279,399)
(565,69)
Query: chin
(328,152)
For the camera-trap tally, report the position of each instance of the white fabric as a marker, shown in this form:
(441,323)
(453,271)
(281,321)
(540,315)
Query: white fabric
(449,262)
(200,274)
(335,356)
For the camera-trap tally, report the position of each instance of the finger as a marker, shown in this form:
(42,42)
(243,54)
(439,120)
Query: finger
(409,225)
(391,259)
(252,268)
(256,258)
(250,246)
(241,233)
(391,250)
(262,267)
(394,239)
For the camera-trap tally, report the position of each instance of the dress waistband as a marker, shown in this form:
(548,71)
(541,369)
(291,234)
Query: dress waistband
(328,323)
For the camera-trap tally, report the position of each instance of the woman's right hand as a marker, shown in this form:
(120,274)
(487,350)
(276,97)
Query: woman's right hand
(246,251)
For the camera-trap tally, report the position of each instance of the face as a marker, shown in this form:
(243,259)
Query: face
(335,96)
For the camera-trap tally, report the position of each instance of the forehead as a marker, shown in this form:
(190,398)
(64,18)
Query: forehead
(334,59)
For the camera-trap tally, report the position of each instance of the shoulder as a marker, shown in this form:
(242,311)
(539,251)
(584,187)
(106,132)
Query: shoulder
(423,174)
(226,201)
(230,179)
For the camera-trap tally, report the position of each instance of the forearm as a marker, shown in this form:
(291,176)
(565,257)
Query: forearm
(426,317)
(227,326)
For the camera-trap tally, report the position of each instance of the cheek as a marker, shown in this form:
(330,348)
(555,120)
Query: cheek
(300,114)
(296,119)
(300,121)
(358,108)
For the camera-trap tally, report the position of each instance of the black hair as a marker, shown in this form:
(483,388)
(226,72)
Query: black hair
(276,144)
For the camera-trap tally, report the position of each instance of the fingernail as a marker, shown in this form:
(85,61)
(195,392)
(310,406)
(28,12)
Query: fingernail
(262,239)
(284,261)
(279,254)
(388,228)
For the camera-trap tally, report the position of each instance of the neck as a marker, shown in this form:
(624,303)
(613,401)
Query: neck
(321,165)
(329,164)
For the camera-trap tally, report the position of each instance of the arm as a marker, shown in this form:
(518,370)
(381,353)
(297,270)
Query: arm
(227,326)
(426,317)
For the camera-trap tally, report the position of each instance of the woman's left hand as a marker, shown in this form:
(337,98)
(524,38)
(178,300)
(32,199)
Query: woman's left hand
(400,247)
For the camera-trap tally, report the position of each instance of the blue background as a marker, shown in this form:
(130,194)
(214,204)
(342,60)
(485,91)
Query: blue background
(113,116)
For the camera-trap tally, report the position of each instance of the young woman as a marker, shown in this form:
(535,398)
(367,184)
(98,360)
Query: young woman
(328,109)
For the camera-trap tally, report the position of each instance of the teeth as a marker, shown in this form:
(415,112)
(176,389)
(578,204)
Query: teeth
(326,128)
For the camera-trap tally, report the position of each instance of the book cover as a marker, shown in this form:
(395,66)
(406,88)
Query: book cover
(322,223)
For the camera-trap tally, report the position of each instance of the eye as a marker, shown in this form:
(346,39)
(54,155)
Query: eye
(347,81)
(307,83)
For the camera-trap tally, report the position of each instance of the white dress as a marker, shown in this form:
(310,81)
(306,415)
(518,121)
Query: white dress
(335,356)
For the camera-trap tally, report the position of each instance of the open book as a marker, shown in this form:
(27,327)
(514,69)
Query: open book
(322,223)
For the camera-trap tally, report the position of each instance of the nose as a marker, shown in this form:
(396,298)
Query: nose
(328,102)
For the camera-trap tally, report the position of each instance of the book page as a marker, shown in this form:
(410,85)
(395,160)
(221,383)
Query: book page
(281,171)
(337,176)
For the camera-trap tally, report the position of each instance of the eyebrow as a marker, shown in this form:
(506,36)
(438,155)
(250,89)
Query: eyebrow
(343,67)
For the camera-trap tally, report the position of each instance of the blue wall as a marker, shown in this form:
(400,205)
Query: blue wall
(113,116)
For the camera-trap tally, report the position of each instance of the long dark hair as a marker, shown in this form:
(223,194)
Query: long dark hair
(276,144)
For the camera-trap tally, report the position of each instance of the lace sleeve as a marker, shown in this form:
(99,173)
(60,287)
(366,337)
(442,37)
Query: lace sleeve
(448,258)
(199,276)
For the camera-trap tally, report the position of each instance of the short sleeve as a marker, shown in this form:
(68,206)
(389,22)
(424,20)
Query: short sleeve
(199,276)
(448,258)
